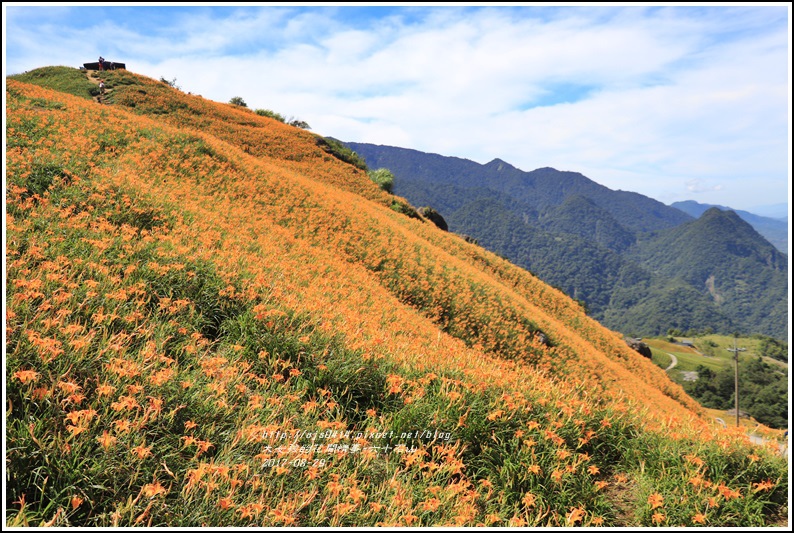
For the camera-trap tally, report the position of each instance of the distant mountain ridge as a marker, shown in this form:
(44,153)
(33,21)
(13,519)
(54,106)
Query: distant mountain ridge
(777,211)
(618,252)
(774,230)
(532,191)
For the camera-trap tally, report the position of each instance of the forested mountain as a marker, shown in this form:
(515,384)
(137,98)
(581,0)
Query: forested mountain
(615,289)
(723,256)
(774,230)
(600,246)
(579,215)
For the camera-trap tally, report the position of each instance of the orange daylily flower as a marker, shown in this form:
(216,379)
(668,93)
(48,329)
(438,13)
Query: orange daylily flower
(106,440)
(655,500)
(576,515)
(151,490)
(529,499)
(26,376)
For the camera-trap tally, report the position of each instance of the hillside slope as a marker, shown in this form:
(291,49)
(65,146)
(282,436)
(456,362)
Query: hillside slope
(189,282)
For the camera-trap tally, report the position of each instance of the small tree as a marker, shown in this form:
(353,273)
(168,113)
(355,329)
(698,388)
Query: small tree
(238,101)
(170,83)
(299,123)
(383,178)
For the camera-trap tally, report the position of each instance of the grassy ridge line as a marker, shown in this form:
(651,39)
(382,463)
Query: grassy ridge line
(240,128)
(211,237)
(62,79)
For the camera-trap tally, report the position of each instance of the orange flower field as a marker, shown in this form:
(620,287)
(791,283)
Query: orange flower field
(210,320)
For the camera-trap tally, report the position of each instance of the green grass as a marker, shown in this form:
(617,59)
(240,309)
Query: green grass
(714,350)
(64,79)
(660,358)
(341,152)
(690,361)
(717,345)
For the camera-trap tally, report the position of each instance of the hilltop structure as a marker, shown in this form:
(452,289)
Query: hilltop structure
(109,65)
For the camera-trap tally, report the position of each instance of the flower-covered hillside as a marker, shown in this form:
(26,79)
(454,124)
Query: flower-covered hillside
(212,321)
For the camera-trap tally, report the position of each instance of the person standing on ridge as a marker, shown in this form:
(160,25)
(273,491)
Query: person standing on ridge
(101,63)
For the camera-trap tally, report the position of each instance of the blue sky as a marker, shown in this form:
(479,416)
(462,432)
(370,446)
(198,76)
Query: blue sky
(675,102)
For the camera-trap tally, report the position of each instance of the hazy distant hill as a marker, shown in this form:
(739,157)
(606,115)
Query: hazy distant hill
(774,230)
(586,239)
(776,211)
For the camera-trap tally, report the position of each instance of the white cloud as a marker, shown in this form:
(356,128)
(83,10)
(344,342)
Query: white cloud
(698,186)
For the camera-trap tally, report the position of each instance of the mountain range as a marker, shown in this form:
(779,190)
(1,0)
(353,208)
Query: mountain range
(630,259)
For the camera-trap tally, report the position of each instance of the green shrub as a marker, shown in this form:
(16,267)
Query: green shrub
(434,216)
(341,152)
(401,206)
(170,83)
(383,178)
(271,114)
(299,123)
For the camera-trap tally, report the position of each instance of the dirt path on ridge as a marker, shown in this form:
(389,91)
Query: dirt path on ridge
(100,97)
(673,363)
